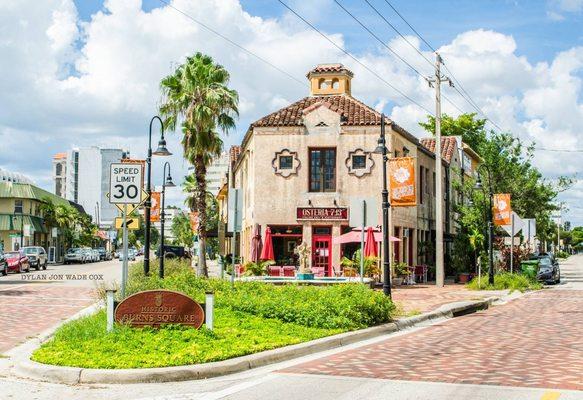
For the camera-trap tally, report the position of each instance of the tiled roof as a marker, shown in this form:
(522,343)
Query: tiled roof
(353,112)
(329,68)
(448,145)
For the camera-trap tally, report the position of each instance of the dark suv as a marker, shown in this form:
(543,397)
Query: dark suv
(548,269)
(174,252)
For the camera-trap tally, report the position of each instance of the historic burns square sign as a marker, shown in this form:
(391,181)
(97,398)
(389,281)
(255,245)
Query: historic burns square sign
(159,307)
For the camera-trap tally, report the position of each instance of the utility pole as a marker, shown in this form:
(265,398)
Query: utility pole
(439,262)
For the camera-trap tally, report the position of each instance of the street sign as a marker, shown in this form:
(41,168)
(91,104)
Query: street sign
(357,212)
(518,225)
(125,183)
(132,223)
(234,210)
(133,207)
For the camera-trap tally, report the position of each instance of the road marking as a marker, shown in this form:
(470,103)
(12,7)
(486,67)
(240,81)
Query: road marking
(550,396)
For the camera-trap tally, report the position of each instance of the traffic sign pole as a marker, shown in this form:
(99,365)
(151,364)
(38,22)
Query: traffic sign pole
(124,277)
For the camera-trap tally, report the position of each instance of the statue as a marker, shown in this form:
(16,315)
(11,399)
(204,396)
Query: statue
(304,251)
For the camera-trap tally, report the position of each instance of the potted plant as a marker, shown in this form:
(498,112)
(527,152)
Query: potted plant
(401,270)
(351,267)
(257,268)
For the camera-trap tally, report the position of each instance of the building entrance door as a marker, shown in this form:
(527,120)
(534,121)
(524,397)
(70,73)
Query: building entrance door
(321,251)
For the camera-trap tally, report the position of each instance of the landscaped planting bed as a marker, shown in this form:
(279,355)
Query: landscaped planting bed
(249,317)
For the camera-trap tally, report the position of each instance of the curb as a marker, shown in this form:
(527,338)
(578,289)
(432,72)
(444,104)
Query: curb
(24,367)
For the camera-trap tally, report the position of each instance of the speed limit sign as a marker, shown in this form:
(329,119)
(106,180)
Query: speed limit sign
(125,183)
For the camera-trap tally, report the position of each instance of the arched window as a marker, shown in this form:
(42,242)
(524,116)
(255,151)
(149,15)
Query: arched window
(335,83)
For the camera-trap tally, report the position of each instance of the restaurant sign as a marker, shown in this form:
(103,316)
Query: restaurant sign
(322,213)
(159,307)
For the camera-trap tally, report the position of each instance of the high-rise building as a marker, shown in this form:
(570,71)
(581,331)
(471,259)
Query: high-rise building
(216,172)
(82,175)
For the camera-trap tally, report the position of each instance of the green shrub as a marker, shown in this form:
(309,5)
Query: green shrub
(342,306)
(562,254)
(504,281)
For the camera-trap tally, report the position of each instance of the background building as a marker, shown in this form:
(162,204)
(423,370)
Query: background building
(82,176)
(215,173)
(21,219)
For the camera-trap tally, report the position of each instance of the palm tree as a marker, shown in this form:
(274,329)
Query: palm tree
(196,95)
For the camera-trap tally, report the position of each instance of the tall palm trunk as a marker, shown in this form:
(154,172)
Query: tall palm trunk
(200,175)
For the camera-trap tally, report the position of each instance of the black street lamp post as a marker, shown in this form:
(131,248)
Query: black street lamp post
(382,149)
(160,151)
(490,225)
(166,182)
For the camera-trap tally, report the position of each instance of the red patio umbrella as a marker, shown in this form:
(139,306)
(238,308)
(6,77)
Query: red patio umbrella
(370,247)
(256,243)
(267,251)
(354,237)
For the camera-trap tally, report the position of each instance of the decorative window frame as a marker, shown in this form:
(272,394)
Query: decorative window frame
(359,173)
(286,173)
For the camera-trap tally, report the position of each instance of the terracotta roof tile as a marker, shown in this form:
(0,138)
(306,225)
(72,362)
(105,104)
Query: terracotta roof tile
(448,146)
(353,112)
(329,68)
(60,156)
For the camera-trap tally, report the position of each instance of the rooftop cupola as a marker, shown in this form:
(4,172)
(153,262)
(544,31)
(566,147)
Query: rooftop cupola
(329,79)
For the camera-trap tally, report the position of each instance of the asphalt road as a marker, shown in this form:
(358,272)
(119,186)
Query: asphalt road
(527,349)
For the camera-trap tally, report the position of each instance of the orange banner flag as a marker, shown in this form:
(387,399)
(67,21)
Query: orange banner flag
(155,209)
(502,210)
(402,182)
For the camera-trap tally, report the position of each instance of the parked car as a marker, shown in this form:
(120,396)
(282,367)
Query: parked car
(37,256)
(548,269)
(96,256)
(16,261)
(131,255)
(104,254)
(76,255)
(3,264)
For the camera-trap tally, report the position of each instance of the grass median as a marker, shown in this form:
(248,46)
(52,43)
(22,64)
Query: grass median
(249,318)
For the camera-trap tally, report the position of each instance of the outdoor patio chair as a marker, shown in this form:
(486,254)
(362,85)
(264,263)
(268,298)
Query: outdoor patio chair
(421,273)
(318,271)
(275,270)
(289,270)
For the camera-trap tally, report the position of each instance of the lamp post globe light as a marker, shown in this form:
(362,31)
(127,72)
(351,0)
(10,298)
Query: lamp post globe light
(166,182)
(160,151)
(490,194)
(382,149)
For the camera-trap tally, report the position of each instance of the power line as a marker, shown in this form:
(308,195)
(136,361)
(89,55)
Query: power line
(399,33)
(409,25)
(393,51)
(208,28)
(560,150)
(353,57)
(463,93)
(378,39)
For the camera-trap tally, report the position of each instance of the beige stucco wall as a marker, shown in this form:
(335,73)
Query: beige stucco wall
(270,199)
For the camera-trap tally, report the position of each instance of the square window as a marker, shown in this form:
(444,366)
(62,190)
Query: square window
(286,162)
(358,162)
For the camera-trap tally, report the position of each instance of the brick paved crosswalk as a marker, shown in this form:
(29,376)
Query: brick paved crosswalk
(29,309)
(534,341)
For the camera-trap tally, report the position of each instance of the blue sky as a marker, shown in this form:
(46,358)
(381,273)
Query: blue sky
(86,72)
(538,36)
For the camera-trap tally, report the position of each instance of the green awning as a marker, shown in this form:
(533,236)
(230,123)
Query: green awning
(13,223)
(5,223)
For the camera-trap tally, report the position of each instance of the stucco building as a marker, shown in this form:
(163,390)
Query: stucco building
(301,168)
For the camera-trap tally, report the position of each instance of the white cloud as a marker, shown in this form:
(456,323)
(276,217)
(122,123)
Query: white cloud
(96,82)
